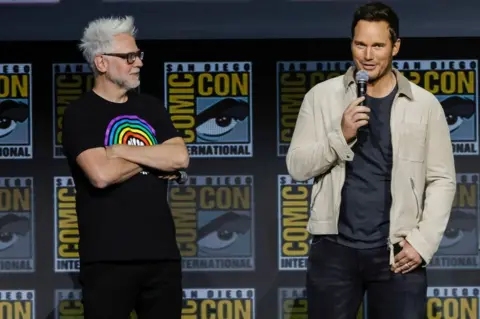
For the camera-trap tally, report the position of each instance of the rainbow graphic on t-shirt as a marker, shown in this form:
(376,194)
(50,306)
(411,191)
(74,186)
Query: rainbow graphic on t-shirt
(130,130)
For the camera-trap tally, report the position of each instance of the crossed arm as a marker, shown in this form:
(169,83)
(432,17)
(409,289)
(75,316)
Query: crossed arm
(117,163)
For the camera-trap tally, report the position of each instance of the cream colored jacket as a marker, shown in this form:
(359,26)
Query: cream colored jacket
(423,175)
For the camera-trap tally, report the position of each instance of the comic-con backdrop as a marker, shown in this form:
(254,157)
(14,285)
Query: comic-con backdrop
(240,218)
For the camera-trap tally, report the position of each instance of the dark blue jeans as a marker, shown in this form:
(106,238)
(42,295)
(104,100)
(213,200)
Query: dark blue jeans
(338,277)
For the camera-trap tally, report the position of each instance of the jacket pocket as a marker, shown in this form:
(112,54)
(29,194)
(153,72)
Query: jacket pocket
(412,142)
(321,203)
(315,191)
(417,202)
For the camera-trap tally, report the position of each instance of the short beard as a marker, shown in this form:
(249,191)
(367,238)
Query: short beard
(121,83)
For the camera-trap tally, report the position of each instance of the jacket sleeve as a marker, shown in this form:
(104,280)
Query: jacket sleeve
(440,186)
(313,150)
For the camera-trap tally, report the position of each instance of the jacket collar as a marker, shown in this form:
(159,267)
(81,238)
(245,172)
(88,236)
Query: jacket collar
(403,83)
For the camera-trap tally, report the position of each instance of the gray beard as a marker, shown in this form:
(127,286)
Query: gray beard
(121,83)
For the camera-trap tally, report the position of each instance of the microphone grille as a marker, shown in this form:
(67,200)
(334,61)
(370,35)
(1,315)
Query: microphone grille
(361,76)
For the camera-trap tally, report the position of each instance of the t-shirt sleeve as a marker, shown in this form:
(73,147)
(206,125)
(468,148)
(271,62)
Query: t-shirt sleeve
(79,132)
(164,126)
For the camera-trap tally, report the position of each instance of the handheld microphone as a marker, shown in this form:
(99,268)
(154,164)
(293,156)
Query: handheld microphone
(362,78)
(182,177)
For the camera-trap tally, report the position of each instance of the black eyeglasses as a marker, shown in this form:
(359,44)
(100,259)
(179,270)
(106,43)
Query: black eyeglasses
(130,57)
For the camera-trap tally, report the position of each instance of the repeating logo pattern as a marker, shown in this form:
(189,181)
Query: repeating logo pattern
(294,202)
(455,84)
(68,304)
(16,111)
(17,225)
(293,304)
(232,303)
(17,304)
(66,241)
(214,218)
(453,302)
(459,248)
(210,104)
(70,81)
(294,80)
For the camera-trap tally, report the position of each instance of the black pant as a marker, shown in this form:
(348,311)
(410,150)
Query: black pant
(338,277)
(112,290)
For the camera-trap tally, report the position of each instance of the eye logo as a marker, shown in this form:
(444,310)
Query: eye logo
(459,113)
(12,228)
(214,220)
(16,225)
(210,104)
(12,113)
(459,246)
(15,111)
(222,232)
(222,120)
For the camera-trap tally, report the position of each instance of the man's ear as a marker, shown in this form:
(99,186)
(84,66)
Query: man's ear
(101,63)
(396,47)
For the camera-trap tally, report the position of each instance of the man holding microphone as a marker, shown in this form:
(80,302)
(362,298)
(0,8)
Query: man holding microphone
(384,180)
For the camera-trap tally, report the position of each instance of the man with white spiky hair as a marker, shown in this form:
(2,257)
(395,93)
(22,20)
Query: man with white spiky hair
(122,149)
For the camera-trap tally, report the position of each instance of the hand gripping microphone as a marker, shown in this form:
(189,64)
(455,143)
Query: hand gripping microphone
(362,78)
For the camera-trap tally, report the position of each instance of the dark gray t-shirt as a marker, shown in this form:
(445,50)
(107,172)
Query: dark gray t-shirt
(366,199)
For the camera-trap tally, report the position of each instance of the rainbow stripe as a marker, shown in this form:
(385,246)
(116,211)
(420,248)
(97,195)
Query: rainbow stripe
(129,127)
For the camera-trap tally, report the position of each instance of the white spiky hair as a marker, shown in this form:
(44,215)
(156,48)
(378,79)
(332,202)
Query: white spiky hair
(98,36)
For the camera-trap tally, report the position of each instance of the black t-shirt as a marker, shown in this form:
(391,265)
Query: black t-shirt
(130,220)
